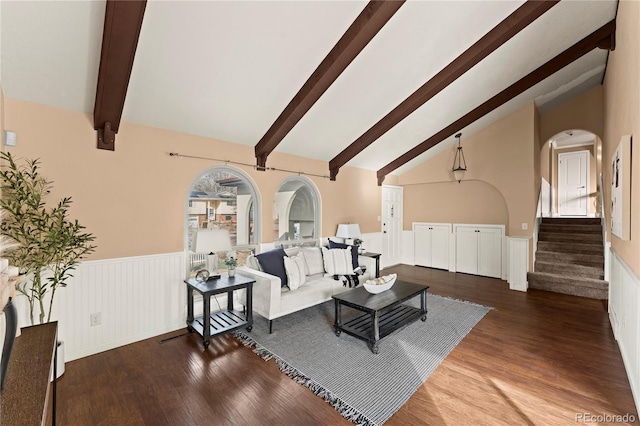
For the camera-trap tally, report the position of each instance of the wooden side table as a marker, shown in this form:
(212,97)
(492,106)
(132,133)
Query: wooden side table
(376,256)
(223,321)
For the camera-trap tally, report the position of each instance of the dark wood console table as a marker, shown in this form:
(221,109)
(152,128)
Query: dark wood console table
(26,396)
(223,321)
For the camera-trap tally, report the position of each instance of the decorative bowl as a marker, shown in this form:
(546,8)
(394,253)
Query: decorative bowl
(374,288)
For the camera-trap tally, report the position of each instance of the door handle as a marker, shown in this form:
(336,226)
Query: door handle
(580,187)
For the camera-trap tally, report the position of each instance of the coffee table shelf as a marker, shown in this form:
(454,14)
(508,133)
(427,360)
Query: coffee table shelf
(381,314)
(395,319)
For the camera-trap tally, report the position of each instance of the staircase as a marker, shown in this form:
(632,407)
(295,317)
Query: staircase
(570,258)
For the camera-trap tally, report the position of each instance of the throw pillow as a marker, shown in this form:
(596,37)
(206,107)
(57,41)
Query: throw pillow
(337,261)
(291,251)
(252,262)
(354,252)
(295,268)
(272,262)
(313,257)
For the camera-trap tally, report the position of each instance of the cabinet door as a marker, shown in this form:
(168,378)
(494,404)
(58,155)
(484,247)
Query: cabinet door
(422,245)
(490,252)
(440,246)
(466,250)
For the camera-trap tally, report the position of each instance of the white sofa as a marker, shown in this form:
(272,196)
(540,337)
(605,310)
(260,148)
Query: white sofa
(271,300)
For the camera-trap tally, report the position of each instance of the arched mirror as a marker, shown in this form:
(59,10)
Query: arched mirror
(296,211)
(226,198)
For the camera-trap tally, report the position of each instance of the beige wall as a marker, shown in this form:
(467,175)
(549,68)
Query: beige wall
(499,156)
(622,117)
(583,112)
(444,201)
(545,161)
(134,199)
(537,158)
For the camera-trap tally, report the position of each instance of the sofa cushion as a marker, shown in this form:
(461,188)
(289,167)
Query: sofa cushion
(353,249)
(337,261)
(272,262)
(294,266)
(313,292)
(313,258)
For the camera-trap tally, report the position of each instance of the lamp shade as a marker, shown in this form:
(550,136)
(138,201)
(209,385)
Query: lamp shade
(348,230)
(211,241)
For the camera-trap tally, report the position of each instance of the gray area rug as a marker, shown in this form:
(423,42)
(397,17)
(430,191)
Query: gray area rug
(365,388)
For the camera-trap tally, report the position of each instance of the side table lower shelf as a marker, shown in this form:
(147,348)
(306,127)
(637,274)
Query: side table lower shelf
(225,320)
(220,322)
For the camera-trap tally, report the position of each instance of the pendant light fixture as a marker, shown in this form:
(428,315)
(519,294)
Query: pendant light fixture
(459,164)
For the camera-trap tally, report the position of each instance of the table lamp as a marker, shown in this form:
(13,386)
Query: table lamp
(348,231)
(211,241)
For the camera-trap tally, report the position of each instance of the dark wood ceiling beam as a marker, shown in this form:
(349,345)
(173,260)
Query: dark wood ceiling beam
(501,33)
(372,18)
(603,38)
(122,24)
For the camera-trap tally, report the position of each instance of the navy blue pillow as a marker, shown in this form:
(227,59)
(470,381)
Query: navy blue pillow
(272,262)
(354,252)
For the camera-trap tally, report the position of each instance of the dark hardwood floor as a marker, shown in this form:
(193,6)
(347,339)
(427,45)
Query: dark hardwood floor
(538,358)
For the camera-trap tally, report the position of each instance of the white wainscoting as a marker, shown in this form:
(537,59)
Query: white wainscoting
(408,248)
(137,297)
(517,263)
(624,299)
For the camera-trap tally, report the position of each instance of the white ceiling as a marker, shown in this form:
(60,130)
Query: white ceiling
(227,69)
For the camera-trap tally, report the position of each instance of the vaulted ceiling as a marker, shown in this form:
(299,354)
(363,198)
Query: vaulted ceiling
(229,69)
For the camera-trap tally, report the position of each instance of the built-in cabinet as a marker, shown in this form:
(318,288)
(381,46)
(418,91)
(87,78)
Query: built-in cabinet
(479,249)
(431,244)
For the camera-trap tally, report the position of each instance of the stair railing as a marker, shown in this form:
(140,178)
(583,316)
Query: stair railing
(603,221)
(543,203)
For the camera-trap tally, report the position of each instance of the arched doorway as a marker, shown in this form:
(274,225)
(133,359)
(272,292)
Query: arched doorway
(570,169)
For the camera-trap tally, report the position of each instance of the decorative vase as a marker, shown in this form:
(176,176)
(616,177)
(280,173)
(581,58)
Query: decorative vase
(232,272)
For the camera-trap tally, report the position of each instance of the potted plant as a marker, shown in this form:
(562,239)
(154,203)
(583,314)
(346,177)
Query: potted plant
(358,243)
(231,263)
(49,244)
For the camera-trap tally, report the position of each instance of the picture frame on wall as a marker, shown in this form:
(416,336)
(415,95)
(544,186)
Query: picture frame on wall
(621,189)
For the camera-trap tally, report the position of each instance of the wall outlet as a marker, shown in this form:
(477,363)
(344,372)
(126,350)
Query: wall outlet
(525,226)
(96,319)
(10,138)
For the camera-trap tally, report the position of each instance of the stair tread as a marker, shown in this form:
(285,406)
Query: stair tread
(570,269)
(580,281)
(570,236)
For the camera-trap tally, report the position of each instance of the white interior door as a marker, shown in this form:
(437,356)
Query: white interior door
(573,183)
(391,225)
(440,247)
(422,245)
(490,252)
(467,250)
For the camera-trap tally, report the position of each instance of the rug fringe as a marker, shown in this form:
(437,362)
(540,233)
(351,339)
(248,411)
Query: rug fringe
(341,407)
(463,301)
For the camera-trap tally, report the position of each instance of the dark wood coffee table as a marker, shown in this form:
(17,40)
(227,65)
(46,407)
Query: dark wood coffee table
(382,313)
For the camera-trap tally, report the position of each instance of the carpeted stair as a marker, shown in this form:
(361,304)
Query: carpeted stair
(570,258)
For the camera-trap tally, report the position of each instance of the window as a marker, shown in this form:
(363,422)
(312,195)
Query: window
(225,198)
(296,212)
